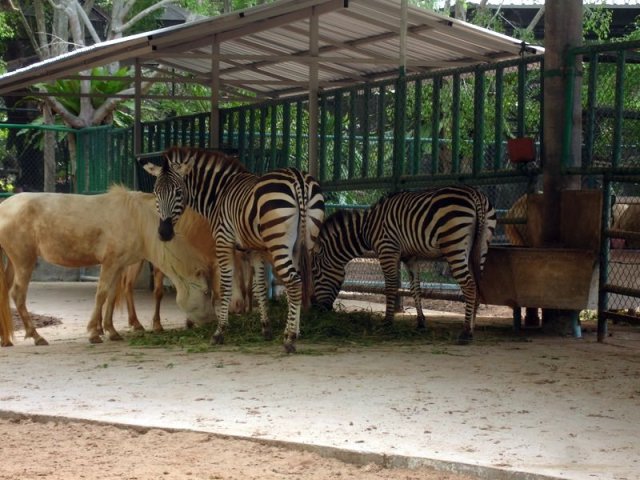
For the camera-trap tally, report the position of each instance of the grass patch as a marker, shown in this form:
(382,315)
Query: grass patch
(321,332)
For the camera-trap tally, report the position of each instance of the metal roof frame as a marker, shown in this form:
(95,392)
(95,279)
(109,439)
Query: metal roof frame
(266,50)
(286,48)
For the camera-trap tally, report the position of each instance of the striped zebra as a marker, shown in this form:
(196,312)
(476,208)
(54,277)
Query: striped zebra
(455,222)
(276,216)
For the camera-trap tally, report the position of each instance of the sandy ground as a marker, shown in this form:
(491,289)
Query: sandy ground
(549,407)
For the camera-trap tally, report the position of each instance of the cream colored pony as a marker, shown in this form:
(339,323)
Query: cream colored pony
(195,228)
(115,229)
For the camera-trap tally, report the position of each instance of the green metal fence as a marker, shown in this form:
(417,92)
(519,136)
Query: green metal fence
(610,100)
(408,133)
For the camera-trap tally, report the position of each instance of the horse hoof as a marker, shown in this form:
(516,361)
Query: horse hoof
(217,339)
(115,337)
(138,328)
(465,338)
(95,339)
(190,324)
(7,344)
(158,330)
(41,342)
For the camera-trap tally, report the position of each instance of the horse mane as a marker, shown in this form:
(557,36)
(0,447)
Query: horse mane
(197,231)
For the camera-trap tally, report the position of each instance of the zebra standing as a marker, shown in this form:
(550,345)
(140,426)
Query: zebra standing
(455,222)
(276,216)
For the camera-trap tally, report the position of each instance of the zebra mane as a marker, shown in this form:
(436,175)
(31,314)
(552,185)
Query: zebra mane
(341,216)
(344,220)
(386,197)
(204,156)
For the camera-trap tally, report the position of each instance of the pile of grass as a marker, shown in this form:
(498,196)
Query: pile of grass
(335,329)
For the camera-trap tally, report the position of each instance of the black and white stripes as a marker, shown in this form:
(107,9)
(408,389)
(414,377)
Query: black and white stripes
(276,216)
(455,222)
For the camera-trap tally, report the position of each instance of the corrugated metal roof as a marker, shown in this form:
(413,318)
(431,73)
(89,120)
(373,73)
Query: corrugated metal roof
(266,49)
(540,3)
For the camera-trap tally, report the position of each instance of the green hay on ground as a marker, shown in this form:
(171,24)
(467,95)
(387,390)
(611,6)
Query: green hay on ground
(323,329)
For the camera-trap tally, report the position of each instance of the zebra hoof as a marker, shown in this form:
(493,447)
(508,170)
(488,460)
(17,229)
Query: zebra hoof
(217,339)
(465,338)
(289,348)
(421,325)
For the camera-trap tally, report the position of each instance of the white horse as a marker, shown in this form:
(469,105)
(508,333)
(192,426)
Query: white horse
(115,229)
(195,228)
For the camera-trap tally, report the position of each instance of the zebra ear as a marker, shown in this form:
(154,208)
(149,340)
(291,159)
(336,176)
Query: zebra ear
(150,167)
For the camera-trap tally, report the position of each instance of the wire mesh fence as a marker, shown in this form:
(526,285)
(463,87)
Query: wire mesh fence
(34,159)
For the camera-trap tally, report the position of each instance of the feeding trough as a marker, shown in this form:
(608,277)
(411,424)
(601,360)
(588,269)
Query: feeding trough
(563,278)
(556,278)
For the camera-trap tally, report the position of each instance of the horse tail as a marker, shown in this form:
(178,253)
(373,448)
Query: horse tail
(6,319)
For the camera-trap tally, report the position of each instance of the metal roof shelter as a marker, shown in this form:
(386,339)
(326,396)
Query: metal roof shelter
(286,48)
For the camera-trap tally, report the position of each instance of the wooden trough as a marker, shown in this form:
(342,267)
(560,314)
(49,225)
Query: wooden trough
(555,278)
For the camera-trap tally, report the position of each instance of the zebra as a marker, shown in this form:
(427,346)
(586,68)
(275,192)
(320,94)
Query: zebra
(455,222)
(276,216)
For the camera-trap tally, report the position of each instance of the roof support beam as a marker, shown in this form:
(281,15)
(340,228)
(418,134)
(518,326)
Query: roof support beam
(314,34)
(137,118)
(214,121)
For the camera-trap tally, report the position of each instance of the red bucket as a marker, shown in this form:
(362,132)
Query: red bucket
(521,150)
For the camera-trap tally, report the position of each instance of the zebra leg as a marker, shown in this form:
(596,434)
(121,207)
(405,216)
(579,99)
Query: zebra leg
(294,300)
(469,291)
(260,291)
(226,278)
(390,264)
(414,279)
(459,265)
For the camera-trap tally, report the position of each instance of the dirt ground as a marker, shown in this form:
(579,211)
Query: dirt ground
(66,450)
(544,407)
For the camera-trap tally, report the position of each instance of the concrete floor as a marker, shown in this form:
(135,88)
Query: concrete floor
(556,407)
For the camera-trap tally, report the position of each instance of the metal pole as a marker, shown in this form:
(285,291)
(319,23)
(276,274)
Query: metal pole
(314,117)
(214,123)
(603,272)
(137,120)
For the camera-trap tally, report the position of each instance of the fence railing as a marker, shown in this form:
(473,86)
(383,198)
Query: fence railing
(610,99)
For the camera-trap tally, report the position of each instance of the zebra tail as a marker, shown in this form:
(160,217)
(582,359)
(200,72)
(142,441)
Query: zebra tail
(6,319)
(304,255)
(480,246)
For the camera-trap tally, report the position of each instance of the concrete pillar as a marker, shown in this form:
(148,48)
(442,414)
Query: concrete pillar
(563,30)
